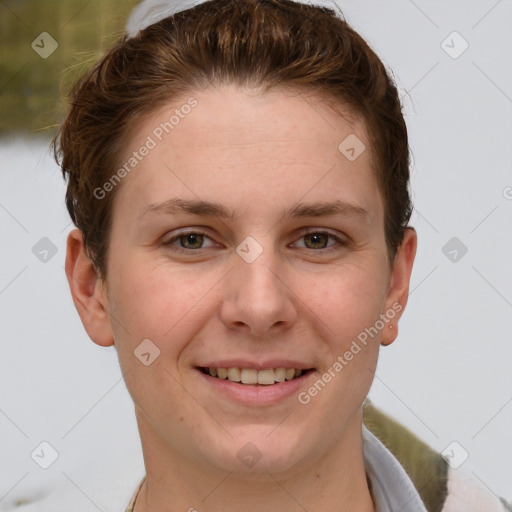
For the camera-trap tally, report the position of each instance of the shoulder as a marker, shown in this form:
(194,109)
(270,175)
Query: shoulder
(441,488)
(467,494)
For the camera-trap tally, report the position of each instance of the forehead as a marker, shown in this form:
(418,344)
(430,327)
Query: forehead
(243,145)
(303,115)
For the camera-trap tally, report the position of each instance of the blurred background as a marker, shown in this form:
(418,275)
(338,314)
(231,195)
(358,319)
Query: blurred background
(68,435)
(35,77)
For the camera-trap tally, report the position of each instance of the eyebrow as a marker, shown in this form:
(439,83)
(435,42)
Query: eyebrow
(177,205)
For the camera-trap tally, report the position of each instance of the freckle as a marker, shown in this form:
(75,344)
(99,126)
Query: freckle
(181,418)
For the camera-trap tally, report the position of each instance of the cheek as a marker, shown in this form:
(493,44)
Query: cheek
(347,300)
(159,302)
(149,303)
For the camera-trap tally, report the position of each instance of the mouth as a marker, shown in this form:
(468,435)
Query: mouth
(254,377)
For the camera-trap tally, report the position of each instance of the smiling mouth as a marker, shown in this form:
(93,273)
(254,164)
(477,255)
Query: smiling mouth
(250,376)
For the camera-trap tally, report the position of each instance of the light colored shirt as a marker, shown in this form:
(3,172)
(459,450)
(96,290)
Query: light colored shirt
(391,487)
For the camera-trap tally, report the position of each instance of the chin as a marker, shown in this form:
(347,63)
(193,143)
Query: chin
(256,452)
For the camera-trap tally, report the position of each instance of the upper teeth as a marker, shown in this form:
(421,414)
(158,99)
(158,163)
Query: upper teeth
(252,376)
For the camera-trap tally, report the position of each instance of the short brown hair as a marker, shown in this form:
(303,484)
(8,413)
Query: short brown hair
(256,43)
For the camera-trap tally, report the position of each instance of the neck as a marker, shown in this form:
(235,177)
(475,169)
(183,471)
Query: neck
(333,482)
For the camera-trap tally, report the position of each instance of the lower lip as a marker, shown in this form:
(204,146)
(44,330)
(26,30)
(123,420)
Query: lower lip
(249,394)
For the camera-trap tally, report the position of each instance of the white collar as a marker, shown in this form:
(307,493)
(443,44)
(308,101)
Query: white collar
(392,489)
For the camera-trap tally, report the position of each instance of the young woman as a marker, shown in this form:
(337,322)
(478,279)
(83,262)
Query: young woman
(238,175)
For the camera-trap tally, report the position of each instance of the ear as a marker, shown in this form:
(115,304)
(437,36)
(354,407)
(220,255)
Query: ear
(398,290)
(88,291)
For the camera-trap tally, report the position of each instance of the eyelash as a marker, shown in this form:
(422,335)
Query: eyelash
(341,242)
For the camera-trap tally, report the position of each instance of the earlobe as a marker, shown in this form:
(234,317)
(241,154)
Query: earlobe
(88,291)
(398,291)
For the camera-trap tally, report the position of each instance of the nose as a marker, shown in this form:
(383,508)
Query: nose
(257,299)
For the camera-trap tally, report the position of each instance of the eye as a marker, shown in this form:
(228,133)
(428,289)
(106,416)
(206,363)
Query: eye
(318,240)
(188,241)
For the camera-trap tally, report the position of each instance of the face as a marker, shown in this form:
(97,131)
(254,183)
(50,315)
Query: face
(245,239)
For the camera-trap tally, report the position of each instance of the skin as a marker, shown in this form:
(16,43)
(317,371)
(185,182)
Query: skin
(301,299)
